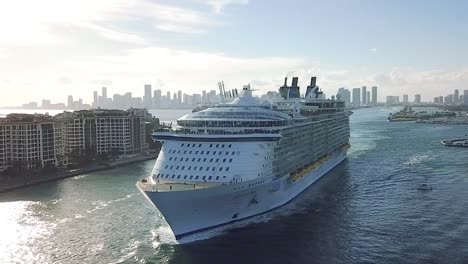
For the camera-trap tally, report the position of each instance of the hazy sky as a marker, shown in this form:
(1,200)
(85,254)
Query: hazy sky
(52,48)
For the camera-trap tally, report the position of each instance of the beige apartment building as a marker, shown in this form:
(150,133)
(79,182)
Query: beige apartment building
(30,141)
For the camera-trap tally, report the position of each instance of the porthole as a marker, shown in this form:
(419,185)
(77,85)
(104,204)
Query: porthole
(209,178)
(217,177)
(178,177)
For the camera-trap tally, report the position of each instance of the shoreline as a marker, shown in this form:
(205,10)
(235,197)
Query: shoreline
(36,180)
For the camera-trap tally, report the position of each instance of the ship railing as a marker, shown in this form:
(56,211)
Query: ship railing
(177,186)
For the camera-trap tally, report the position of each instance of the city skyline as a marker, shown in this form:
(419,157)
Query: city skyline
(57,48)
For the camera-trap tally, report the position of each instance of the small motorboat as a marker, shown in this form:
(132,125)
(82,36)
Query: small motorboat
(424,187)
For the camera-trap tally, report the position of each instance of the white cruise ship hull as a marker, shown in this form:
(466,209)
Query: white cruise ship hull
(192,211)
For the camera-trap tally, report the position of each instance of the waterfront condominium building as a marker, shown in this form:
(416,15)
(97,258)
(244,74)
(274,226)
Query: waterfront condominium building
(105,131)
(417,98)
(364,96)
(465,97)
(30,142)
(356,97)
(374,95)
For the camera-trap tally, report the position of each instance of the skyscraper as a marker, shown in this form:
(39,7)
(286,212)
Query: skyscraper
(344,95)
(364,95)
(405,98)
(70,102)
(417,98)
(465,97)
(179,97)
(147,99)
(157,98)
(95,99)
(104,93)
(356,97)
(374,95)
(456,96)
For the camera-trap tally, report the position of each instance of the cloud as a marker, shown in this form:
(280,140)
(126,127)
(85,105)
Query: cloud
(102,82)
(107,18)
(64,80)
(373,50)
(3,52)
(219,5)
(430,83)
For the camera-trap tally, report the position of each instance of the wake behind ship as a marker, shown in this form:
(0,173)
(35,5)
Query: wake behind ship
(239,159)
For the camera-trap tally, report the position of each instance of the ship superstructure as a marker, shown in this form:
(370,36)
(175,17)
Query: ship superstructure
(242,158)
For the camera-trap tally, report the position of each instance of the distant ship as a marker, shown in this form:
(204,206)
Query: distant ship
(239,159)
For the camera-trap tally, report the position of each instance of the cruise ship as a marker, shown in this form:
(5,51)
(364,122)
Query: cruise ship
(245,157)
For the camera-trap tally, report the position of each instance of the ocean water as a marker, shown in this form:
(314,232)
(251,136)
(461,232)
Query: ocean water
(366,210)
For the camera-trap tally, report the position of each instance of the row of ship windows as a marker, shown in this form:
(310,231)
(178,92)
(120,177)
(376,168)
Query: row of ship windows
(211,145)
(167,176)
(199,160)
(195,168)
(202,152)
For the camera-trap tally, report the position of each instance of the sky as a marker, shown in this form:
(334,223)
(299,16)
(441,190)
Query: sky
(53,48)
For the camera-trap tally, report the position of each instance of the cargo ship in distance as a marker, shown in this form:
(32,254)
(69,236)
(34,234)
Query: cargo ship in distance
(238,159)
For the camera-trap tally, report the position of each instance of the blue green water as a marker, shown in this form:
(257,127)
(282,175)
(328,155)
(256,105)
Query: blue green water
(366,210)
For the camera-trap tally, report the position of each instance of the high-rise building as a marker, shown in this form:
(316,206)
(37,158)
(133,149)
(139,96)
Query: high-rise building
(364,95)
(368,97)
(105,131)
(356,97)
(104,92)
(456,96)
(417,98)
(405,99)
(147,99)
(95,99)
(157,98)
(30,142)
(344,95)
(465,97)
(179,97)
(374,95)
(70,102)
(204,97)
(392,100)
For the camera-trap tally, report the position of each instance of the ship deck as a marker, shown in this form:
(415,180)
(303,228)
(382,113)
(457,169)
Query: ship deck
(172,186)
